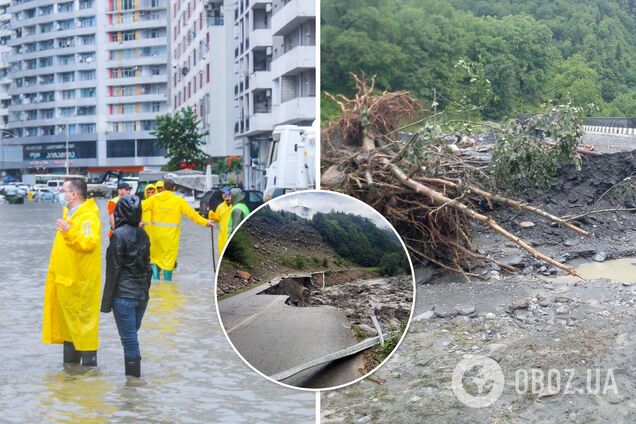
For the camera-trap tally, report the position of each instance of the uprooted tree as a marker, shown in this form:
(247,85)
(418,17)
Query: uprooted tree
(425,188)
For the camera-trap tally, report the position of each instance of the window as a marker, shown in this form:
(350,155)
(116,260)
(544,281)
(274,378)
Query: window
(87,128)
(128,35)
(86,4)
(128,108)
(154,3)
(154,33)
(86,40)
(68,94)
(67,77)
(155,106)
(48,130)
(155,70)
(47,79)
(67,59)
(46,45)
(65,42)
(128,72)
(85,110)
(48,27)
(65,7)
(30,64)
(31,115)
(86,57)
(87,92)
(146,148)
(47,113)
(127,4)
(45,62)
(48,96)
(30,47)
(128,91)
(120,148)
(46,10)
(85,22)
(87,75)
(67,112)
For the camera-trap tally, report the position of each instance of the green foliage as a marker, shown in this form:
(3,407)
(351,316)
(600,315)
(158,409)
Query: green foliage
(239,249)
(358,332)
(295,262)
(520,156)
(228,165)
(393,263)
(530,51)
(181,136)
(391,342)
(325,264)
(355,238)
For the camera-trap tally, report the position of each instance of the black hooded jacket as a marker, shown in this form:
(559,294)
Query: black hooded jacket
(128,270)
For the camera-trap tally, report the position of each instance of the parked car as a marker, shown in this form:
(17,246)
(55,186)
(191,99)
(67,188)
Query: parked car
(213,198)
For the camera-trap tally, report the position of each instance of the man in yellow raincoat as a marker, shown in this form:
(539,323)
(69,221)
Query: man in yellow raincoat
(166,210)
(222,216)
(159,186)
(146,217)
(73,281)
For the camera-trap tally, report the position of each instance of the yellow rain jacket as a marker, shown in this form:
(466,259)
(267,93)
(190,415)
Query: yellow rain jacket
(166,209)
(73,281)
(222,216)
(146,216)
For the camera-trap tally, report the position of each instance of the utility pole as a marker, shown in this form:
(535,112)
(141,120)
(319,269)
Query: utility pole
(67,162)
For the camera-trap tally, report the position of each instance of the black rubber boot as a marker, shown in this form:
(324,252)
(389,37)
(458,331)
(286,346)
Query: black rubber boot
(71,356)
(133,366)
(89,358)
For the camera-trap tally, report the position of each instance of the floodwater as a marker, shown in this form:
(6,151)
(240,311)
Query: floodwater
(189,371)
(619,270)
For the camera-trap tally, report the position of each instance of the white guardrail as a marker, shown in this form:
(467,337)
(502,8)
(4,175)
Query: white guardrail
(609,130)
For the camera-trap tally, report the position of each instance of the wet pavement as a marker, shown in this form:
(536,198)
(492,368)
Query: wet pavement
(189,371)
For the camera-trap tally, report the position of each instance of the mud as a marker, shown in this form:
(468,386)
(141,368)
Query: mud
(535,319)
(299,289)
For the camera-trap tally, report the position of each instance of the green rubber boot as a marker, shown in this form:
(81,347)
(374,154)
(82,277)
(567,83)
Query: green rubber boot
(167,275)
(156,272)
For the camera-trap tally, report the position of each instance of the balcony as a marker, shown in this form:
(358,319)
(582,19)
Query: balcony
(291,15)
(261,79)
(258,123)
(294,110)
(261,38)
(294,61)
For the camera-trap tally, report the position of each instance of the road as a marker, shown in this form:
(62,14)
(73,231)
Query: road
(274,337)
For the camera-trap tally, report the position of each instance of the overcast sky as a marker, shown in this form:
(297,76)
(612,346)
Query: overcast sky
(326,202)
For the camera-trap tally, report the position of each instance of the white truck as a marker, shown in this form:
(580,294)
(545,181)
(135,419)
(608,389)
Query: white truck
(291,162)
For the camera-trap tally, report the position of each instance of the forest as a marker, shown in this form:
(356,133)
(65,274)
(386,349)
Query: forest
(528,53)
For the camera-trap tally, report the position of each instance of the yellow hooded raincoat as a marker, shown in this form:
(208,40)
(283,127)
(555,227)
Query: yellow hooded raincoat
(166,210)
(73,281)
(146,216)
(222,216)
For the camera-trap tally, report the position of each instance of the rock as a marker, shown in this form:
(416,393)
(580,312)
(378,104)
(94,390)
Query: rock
(513,260)
(465,309)
(454,149)
(490,316)
(461,321)
(368,329)
(445,312)
(243,275)
(495,274)
(592,302)
(627,283)
(599,257)
(520,304)
(526,224)
(424,316)
(544,302)
(256,246)
(571,242)
(562,310)
(423,274)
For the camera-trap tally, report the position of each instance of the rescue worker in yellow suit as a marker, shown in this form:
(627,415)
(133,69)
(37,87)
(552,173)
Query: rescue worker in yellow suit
(166,210)
(149,191)
(73,281)
(159,186)
(222,216)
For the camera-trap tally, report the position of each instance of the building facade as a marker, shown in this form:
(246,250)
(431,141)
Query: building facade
(89,78)
(201,68)
(274,75)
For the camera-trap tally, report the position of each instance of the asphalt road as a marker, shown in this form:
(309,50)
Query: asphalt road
(610,143)
(274,337)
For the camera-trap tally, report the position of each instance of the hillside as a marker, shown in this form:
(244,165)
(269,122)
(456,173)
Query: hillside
(528,51)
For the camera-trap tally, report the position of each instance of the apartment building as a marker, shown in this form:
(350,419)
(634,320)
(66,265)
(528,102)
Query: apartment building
(201,59)
(89,77)
(5,51)
(275,75)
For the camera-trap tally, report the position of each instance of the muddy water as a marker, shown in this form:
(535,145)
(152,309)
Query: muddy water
(189,372)
(620,270)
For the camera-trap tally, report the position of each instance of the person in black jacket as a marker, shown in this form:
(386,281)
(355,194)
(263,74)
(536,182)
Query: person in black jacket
(128,275)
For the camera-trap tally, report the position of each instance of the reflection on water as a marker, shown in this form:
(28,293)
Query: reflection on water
(620,270)
(189,371)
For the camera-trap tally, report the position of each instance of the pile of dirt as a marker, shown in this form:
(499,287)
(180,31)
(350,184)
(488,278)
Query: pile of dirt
(273,251)
(389,299)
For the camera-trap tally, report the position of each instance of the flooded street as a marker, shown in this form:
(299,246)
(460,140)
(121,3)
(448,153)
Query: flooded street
(189,371)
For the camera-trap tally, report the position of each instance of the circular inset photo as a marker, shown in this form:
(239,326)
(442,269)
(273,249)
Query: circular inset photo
(315,290)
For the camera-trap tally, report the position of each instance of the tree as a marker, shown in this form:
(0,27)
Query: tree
(181,136)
